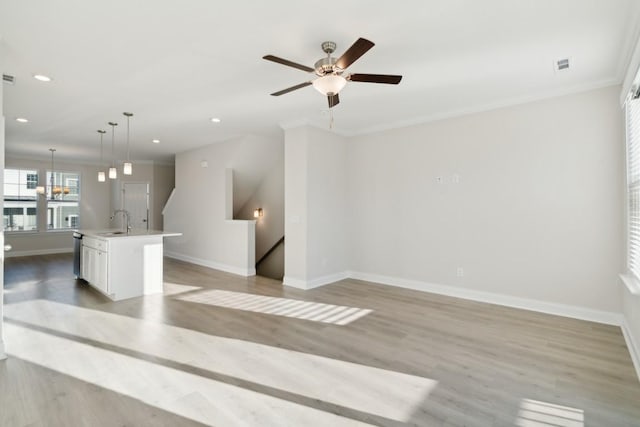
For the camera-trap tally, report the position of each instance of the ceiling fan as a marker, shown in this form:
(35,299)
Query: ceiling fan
(331,77)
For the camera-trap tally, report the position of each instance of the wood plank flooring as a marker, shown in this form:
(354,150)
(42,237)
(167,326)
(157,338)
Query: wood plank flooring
(78,359)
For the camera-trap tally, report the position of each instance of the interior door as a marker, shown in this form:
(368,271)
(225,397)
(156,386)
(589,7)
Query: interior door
(135,196)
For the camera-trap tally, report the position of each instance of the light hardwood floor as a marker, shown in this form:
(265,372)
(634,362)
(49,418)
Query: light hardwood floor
(188,358)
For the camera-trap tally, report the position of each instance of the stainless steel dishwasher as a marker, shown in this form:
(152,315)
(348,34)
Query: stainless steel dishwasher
(77,254)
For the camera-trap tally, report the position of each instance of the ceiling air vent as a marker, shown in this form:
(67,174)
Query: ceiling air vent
(562,64)
(8,79)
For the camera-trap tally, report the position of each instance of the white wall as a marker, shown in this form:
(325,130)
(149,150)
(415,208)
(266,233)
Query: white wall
(198,207)
(536,213)
(95,208)
(315,207)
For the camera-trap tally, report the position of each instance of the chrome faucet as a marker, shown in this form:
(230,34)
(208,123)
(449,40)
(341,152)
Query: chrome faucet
(125,214)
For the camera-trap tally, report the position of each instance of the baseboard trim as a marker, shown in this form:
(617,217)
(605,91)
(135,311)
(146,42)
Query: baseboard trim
(211,264)
(315,283)
(14,254)
(632,345)
(581,313)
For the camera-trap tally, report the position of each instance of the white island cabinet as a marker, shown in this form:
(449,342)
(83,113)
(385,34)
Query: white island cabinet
(123,265)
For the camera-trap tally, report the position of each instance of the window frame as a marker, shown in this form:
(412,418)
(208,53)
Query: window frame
(28,201)
(50,209)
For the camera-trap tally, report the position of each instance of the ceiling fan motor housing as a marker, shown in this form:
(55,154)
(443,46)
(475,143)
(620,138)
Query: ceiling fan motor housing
(326,66)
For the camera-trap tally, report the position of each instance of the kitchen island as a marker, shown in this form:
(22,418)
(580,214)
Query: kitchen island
(123,265)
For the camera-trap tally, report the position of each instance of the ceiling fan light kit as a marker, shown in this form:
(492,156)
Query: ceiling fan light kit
(329,71)
(330,84)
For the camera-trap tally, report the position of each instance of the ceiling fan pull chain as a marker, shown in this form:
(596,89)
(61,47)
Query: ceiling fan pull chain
(330,118)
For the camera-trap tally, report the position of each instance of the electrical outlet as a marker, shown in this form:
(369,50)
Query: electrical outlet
(460,272)
(455,178)
(438,180)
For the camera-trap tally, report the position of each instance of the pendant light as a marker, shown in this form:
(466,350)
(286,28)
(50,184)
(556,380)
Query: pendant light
(127,169)
(113,173)
(101,174)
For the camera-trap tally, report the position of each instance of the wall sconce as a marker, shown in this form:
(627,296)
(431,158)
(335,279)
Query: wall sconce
(258,213)
(40,189)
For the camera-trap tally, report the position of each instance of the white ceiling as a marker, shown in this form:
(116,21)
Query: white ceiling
(177,64)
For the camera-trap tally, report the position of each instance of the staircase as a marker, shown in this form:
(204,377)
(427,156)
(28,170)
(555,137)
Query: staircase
(271,264)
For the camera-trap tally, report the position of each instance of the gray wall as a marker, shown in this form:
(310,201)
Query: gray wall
(161,179)
(529,204)
(162,185)
(200,207)
(95,208)
(316,207)
(97,202)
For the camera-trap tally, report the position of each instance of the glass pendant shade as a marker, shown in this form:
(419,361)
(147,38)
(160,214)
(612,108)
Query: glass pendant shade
(101,176)
(329,84)
(113,173)
(127,169)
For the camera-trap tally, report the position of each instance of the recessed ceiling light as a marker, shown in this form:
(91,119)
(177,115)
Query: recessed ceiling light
(21,120)
(42,77)
(156,141)
(215,120)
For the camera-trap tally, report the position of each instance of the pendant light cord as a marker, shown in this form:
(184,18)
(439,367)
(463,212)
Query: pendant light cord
(128,117)
(113,143)
(52,171)
(101,132)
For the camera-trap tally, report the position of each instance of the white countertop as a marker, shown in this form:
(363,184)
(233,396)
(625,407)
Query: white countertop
(113,233)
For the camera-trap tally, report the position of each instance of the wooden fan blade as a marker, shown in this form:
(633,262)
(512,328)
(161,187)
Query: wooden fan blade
(359,48)
(291,89)
(375,78)
(288,63)
(333,100)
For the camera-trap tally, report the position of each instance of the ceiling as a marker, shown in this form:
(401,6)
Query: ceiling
(176,65)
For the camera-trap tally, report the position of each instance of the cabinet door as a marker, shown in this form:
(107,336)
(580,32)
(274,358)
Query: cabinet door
(88,262)
(101,271)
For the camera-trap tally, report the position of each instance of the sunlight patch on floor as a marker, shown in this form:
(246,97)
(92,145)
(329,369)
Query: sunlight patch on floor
(307,310)
(534,413)
(366,389)
(175,288)
(20,286)
(188,395)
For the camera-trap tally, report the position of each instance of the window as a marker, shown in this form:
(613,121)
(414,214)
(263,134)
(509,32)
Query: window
(632,107)
(32,181)
(63,196)
(20,200)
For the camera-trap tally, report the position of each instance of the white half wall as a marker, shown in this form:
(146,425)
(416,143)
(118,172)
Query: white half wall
(270,227)
(199,205)
(522,202)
